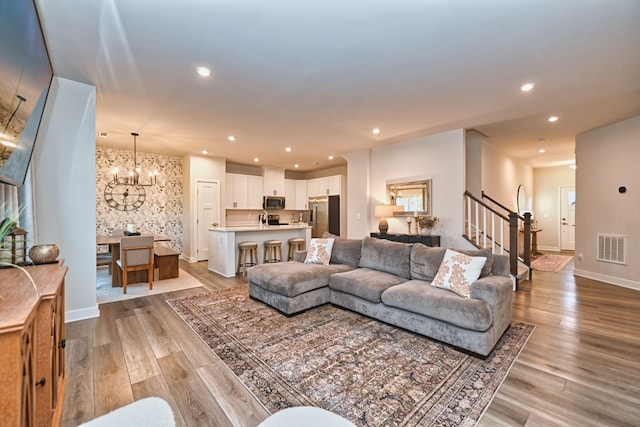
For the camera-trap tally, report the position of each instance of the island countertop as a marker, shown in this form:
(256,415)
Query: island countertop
(223,243)
(236,228)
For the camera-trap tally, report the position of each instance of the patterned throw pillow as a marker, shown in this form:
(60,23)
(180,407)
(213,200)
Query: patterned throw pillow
(319,251)
(457,272)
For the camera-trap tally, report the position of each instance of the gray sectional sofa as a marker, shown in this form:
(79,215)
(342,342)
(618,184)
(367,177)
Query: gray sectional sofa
(391,282)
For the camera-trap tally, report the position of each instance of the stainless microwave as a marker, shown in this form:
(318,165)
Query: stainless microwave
(273,202)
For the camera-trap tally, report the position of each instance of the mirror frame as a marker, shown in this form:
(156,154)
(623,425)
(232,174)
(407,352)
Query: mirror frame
(521,199)
(425,185)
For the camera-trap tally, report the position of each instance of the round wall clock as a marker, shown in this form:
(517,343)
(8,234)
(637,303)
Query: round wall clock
(124,197)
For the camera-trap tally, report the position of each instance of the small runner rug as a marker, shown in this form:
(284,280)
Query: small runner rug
(366,371)
(550,262)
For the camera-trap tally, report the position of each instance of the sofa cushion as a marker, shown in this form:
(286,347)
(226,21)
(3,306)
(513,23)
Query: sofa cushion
(293,278)
(345,251)
(418,297)
(387,256)
(425,261)
(457,272)
(365,283)
(488,265)
(319,251)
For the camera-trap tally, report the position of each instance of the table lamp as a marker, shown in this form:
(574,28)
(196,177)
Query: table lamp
(383,212)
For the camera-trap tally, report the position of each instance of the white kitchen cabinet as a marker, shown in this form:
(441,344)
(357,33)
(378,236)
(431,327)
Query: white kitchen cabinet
(301,195)
(243,191)
(273,181)
(325,186)
(254,192)
(290,193)
(236,189)
(334,185)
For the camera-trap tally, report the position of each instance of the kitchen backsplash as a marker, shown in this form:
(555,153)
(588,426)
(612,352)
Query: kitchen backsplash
(250,217)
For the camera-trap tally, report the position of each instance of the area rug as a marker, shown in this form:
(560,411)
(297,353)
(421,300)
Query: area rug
(366,371)
(551,262)
(106,293)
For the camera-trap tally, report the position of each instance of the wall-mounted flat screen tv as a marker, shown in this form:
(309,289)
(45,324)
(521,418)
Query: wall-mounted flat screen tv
(25,77)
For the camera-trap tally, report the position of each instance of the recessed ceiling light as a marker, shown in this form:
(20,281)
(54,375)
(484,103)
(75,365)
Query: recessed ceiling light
(203,71)
(376,131)
(205,152)
(542,150)
(527,87)
(231,138)
(255,159)
(553,119)
(288,149)
(330,157)
(296,166)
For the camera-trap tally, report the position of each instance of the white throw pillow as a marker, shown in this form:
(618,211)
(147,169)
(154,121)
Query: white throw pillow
(457,272)
(319,251)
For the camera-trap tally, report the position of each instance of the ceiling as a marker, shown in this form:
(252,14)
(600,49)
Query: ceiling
(318,76)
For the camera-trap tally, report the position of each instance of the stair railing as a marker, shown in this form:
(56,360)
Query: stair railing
(492,225)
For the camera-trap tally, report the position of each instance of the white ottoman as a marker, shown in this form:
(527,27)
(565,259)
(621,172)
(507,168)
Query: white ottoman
(307,416)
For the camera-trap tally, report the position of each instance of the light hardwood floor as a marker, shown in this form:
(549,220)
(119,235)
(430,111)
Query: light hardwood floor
(581,367)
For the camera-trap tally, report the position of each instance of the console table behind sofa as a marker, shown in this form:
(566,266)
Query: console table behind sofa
(433,241)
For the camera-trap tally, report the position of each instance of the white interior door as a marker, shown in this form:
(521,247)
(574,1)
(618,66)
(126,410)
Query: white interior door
(208,206)
(568,218)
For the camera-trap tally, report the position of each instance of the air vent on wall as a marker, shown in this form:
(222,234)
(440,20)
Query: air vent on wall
(612,248)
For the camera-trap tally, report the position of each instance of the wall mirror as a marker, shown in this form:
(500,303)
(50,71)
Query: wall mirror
(522,200)
(413,196)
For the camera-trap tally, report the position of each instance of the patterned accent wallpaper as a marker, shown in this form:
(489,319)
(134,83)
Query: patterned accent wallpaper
(162,210)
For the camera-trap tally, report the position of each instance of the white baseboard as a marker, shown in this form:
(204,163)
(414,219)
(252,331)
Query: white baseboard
(631,284)
(82,314)
(549,248)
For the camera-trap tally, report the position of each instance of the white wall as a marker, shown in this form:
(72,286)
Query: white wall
(438,157)
(64,170)
(607,158)
(546,204)
(199,168)
(359,214)
(502,175)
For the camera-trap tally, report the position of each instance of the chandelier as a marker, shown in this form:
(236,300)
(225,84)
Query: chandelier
(133,178)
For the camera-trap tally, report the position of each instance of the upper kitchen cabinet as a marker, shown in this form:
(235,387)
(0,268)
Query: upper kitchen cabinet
(325,186)
(301,195)
(273,181)
(290,193)
(243,191)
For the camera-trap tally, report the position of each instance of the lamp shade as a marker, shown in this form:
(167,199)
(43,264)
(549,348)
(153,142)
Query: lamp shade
(384,211)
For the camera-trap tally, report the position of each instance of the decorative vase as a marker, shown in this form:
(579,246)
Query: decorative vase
(425,231)
(44,254)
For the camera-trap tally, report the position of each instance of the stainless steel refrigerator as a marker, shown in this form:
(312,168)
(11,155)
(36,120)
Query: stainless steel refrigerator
(324,215)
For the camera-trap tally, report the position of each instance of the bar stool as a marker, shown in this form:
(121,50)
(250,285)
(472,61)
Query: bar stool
(295,244)
(247,249)
(272,251)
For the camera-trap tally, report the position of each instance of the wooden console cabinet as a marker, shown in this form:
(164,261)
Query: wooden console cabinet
(433,241)
(32,343)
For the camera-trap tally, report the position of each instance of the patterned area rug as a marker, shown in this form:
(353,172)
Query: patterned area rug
(364,370)
(551,262)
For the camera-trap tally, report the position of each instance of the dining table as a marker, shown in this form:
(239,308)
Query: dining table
(114,248)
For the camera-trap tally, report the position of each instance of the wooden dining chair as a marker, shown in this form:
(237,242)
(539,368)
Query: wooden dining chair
(136,254)
(106,258)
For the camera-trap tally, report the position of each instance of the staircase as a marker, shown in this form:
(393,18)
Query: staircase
(489,224)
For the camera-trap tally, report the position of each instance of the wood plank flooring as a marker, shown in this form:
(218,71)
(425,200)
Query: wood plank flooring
(580,367)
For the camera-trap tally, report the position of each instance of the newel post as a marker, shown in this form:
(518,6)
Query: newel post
(513,244)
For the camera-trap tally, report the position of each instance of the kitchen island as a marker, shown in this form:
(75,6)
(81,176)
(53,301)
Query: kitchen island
(223,243)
